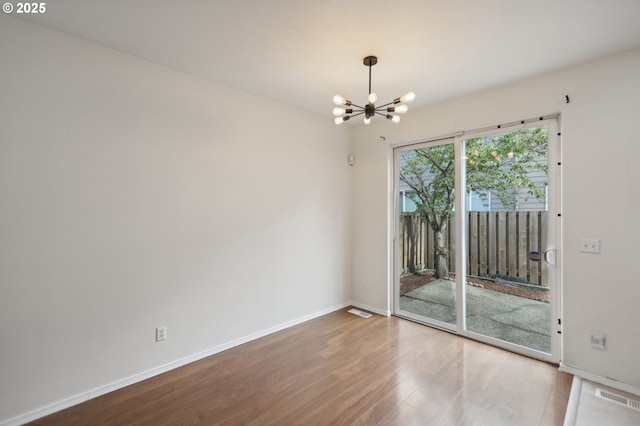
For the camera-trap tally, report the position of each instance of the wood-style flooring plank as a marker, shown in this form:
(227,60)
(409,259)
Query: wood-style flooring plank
(342,369)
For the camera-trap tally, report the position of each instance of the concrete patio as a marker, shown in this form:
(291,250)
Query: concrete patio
(503,316)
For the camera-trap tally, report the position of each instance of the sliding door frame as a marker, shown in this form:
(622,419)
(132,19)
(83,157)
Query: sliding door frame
(553,231)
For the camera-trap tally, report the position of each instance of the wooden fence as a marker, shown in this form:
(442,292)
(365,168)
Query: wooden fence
(498,244)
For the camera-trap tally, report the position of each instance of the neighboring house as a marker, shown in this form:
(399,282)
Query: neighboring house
(482,200)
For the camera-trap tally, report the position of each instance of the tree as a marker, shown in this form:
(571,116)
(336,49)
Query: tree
(500,165)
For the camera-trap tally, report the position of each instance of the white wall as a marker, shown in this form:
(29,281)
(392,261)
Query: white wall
(600,148)
(134,196)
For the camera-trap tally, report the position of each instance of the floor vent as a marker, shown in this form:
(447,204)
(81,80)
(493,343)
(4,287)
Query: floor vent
(359,313)
(618,399)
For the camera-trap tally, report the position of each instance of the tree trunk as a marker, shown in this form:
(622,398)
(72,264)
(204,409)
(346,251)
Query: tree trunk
(441,252)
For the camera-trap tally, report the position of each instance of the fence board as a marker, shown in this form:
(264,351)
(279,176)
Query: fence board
(512,245)
(492,241)
(523,244)
(502,243)
(472,268)
(428,245)
(534,245)
(483,267)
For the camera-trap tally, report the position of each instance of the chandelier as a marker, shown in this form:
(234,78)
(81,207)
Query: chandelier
(388,110)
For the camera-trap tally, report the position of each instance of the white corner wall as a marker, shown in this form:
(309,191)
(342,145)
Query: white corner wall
(134,196)
(600,150)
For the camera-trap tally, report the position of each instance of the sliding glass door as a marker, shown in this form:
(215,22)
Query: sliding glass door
(507,296)
(477,221)
(425,284)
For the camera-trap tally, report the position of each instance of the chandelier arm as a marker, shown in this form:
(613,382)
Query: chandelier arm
(358,106)
(386,115)
(385,105)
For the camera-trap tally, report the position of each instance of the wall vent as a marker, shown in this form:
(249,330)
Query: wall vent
(618,399)
(359,313)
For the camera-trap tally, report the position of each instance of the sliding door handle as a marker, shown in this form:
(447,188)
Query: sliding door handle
(550,256)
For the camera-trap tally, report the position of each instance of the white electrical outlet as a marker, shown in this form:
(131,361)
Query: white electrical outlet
(161,333)
(589,245)
(365,285)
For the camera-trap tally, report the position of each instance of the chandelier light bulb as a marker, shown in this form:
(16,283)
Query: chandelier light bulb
(401,109)
(396,119)
(338,111)
(339,100)
(373,98)
(367,120)
(408,97)
(342,119)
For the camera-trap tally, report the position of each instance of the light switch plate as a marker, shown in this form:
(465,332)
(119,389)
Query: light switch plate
(161,333)
(598,340)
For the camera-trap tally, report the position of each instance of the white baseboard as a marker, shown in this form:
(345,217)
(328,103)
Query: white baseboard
(371,309)
(600,379)
(118,384)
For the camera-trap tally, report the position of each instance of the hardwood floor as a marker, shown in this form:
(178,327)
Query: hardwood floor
(342,369)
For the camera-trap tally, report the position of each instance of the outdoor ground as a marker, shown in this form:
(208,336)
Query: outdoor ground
(411,282)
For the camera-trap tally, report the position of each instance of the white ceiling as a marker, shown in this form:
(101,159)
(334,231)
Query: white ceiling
(302,52)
